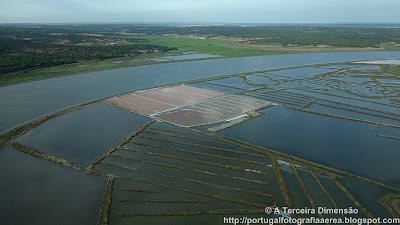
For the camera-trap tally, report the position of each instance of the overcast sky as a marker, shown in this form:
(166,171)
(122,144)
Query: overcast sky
(226,11)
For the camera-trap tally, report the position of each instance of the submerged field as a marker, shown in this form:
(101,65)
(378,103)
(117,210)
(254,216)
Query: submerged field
(312,136)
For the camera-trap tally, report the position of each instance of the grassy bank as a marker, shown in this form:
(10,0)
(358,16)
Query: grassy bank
(82,67)
(394,69)
(221,47)
(205,46)
(178,42)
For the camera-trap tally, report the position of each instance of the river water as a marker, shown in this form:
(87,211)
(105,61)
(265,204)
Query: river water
(24,102)
(39,192)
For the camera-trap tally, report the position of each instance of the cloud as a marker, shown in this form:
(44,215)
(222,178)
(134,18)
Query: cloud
(200,11)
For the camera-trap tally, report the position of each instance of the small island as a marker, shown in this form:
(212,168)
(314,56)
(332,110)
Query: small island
(395,203)
(392,203)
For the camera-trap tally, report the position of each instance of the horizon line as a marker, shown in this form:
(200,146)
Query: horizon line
(205,23)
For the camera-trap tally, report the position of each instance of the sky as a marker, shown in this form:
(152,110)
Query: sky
(200,11)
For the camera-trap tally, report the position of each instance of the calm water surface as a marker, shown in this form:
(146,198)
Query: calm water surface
(342,144)
(39,192)
(21,103)
(83,135)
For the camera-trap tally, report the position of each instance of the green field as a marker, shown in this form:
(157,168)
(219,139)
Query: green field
(180,42)
(224,48)
(205,46)
(232,52)
(393,48)
(390,47)
(396,69)
(391,69)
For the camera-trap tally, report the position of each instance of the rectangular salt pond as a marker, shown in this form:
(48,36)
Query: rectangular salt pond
(199,91)
(146,102)
(302,72)
(161,99)
(83,135)
(296,193)
(338,195)
(257,79)
(183,94)
(381,112)
(172,100)
(130,105)
(211,111)
(236,82)
(39,192)
(388,131)
(389,81)
(368,194)
(335,95)
(339,66)
(353,79)
(230,90)
(335,111)
(133,204)
(314,189)
(368,67)
(180,184)
(342,144)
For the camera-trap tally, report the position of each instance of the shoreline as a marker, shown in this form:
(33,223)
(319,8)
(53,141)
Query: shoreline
(154,62)
(395,204)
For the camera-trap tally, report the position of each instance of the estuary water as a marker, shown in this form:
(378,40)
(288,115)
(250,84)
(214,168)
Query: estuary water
(342,144)
(82,135)
(39,192)
(24,102)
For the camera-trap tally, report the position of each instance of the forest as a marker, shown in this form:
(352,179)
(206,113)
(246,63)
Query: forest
(25,46)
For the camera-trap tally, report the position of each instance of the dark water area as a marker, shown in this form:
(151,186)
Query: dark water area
(134,204)
(39,192)
(297,194)
(355,101)
(339,196)
(83,135)
(236,82)
(24,102)
(342,144)
(335,111)
(259,79)
(368,194)
(300,73)
(389,131)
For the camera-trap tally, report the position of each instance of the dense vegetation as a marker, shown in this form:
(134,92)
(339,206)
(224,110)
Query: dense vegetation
(331,36)
(25,47)
(395,69)
(341,36)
